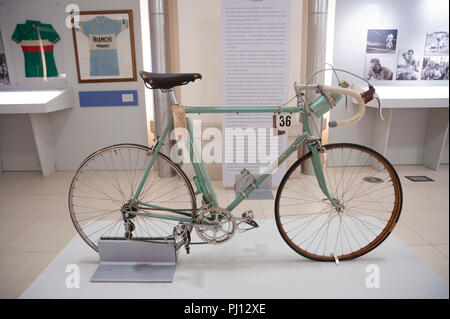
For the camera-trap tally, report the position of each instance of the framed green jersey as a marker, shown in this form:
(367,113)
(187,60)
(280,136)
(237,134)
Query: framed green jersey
(37,41)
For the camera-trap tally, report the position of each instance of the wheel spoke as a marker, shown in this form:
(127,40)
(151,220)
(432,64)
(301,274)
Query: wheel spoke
(102,190)
(313,227)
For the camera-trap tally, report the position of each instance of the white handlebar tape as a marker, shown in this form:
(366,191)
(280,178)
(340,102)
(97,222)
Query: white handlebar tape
(350,92)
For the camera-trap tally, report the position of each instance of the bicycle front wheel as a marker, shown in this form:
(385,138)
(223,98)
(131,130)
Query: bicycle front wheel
(107,180)
(367,189)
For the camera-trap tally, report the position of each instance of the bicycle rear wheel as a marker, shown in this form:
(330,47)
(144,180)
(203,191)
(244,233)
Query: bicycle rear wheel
(106,182)
(362,181)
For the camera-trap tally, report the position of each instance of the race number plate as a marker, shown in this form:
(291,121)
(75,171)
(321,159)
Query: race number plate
(285,120)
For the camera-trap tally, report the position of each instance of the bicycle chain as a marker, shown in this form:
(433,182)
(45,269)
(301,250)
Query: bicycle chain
(200,243)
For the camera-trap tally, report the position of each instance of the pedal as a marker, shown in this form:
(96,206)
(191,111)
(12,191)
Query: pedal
(248,214)
(252,223)
(247,217)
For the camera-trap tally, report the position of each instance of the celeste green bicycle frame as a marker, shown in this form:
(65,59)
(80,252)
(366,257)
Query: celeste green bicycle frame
(202,180)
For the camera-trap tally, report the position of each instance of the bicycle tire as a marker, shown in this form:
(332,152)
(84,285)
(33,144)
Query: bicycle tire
(372,244)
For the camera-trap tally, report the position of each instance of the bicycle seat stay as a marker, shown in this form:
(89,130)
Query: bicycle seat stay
(166,81)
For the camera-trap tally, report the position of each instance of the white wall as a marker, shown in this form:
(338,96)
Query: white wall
(200,43)
(413,19)
(78,131)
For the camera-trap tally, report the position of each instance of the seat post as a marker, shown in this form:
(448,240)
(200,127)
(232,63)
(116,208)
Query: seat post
(172,97)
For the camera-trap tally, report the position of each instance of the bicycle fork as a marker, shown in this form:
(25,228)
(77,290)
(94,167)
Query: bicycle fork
(316,149)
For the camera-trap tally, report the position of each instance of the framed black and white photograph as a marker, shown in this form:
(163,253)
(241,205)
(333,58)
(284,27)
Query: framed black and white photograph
(379,67)
(381,40)
(104,46)
(4,74)
(408,65)
(435,68)
(436,43)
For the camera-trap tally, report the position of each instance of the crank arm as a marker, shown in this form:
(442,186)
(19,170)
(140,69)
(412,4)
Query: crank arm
(248,221)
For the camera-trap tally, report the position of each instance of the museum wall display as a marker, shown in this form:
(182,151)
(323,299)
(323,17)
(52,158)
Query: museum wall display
(80,130)
(405,38)
(74,71)
(414,54)
(401,43)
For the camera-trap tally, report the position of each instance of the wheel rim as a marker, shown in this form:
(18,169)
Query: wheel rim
(360,180)
(107,180)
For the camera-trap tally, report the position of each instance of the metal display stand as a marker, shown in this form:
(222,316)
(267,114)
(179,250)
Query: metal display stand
(139,260)
(264,190)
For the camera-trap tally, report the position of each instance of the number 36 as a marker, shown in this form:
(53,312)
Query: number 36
(284,120)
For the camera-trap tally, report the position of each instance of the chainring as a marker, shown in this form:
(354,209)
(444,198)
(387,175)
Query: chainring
(215,225)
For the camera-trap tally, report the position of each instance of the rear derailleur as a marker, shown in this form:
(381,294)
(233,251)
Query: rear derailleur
(127,217)
(182,235)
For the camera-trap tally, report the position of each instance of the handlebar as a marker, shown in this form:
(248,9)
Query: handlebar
(361,105)
(361,100)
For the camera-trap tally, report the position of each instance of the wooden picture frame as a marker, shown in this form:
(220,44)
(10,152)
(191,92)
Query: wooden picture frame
(104,46)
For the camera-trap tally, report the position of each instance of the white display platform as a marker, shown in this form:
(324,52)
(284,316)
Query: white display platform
(412,96)
(38,103)
(395,98)
(255,264)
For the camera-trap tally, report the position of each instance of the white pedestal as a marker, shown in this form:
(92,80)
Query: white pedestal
(434,98)
(256,264)
(38,104)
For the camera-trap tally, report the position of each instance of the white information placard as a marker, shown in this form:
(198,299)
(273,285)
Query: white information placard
(251,142)
(255,49)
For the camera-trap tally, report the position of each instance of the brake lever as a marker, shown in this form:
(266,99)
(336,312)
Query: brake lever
(369,95)
(346,103)
(380,113)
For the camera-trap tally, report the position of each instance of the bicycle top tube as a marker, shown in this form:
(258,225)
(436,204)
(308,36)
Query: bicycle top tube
(241,109)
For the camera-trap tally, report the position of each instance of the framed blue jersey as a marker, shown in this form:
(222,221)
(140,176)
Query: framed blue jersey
(102,32)
(104,46)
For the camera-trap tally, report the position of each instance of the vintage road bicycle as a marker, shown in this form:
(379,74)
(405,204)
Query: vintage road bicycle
(346,210)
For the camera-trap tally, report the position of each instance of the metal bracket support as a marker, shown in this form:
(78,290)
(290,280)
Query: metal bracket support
(136,260)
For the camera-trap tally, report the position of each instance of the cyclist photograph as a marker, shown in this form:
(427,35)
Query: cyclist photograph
(381,41)
(407,66)
(436,43)
(4,76)
(435,68)
(377,71)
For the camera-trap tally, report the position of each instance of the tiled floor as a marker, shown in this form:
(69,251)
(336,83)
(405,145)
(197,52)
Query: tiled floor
(35,223)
